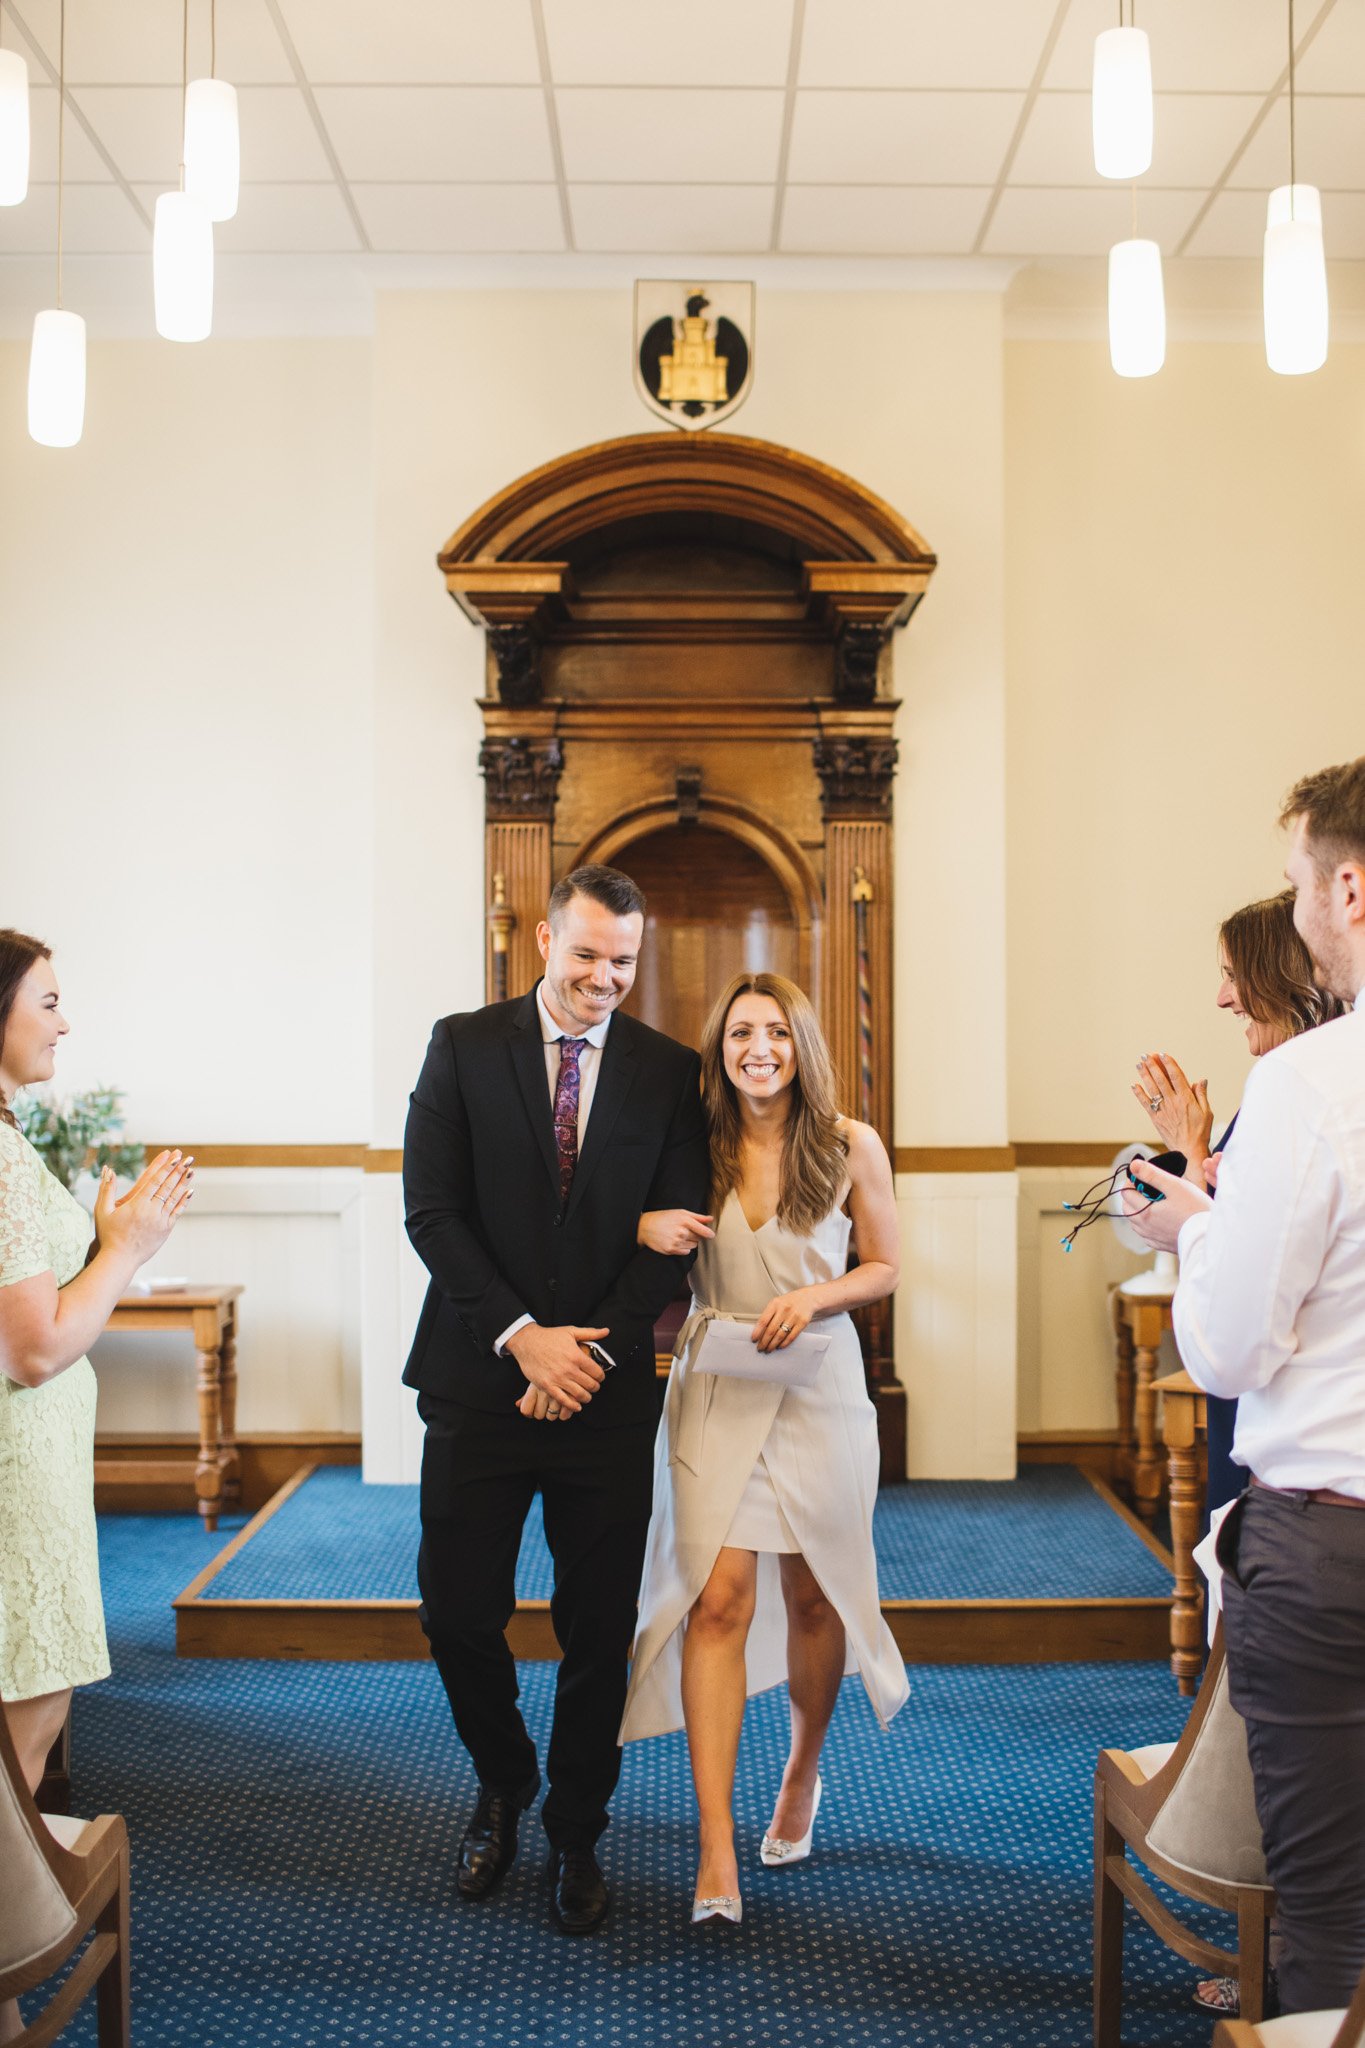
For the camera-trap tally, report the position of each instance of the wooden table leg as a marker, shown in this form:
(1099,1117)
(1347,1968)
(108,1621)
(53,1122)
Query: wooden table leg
(1123,1395)
(231,1456)
(1147,1326)
(208,1472)
(1187,1609)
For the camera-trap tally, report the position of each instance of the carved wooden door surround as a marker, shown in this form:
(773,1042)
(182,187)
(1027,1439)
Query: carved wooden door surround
(697,628)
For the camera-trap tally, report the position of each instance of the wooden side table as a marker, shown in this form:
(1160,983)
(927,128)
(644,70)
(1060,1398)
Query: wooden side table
(1184,1429)
(1139,1320)
(209,1314)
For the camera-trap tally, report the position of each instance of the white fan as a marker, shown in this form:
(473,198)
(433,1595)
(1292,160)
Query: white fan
(1160,1277)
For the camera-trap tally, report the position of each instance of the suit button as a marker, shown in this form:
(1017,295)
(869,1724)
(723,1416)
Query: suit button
(552,1287)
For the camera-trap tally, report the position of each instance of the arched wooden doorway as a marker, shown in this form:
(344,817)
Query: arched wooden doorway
(687,669)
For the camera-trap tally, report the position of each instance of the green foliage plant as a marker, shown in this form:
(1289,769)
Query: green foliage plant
(75,1132)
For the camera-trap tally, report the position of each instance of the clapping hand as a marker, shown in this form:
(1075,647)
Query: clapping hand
(1178,1109)
(674,1232)
(139,1222)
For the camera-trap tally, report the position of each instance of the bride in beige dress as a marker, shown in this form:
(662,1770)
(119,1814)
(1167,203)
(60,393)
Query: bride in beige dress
(760,1564)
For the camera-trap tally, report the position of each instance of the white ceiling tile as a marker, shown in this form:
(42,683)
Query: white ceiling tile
(695,220)
(280,220)
(438,133)
(426,42)
(882,220)
(1329,139)
(140,127)
(1194,136)
(1197,45)
(709,42)
(911,138)
(1235,226)
(664,136)
(1335,59)
(96,220)
(1085,222)
(460,219)
(923,42)
(110,42)
(83,162)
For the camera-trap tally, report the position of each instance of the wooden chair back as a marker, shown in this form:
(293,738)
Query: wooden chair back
(50,1899)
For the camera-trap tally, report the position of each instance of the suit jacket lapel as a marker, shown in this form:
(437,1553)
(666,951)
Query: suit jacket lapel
(614,1079)
(528,1057)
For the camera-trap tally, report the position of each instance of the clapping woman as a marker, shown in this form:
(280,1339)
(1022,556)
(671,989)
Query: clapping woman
(54,1301)
(760,1564)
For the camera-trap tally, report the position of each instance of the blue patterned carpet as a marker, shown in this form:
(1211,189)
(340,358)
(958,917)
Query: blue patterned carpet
(1046,1534)
(293,1827)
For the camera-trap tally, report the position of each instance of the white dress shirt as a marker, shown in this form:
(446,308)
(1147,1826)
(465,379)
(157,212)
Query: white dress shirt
(1270,1309)
(589,1060)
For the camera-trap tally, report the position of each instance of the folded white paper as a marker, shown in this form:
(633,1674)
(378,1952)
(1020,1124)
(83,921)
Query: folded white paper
(728,1349)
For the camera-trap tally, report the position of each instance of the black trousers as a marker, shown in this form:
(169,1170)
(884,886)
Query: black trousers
(480,1473)
(1294,1627)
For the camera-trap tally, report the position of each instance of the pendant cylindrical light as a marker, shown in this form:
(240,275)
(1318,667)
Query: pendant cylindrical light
(14,136)
(56,379)
(1295,282)
(212,147)
(182,267)
(1121,103)
(1137,309)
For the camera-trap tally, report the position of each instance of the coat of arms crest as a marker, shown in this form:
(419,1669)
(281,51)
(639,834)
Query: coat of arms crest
(694,350)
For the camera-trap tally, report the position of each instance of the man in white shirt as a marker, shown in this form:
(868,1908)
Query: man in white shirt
(1271,1309)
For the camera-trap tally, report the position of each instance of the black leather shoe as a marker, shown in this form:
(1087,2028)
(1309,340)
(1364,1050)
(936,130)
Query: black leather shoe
(489,1843)
(578,1891)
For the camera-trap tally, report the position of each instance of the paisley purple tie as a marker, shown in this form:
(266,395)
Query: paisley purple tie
(566,1113)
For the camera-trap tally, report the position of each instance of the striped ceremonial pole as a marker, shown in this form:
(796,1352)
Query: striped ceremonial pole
(862,896)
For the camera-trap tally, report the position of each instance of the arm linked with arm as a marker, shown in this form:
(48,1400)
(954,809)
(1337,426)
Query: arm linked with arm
(1248,1263)
(439,1198)
(648,1282)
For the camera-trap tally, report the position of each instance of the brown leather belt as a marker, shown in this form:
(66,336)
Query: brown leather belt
(1325,1495)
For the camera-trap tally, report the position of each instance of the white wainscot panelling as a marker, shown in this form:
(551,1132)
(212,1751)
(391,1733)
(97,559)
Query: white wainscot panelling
(292,1238)
(955,1323)
(394,1289)
(1066,1335)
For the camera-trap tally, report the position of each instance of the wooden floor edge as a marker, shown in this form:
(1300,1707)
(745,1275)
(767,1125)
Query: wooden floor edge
(258,1521)
(1134,1521)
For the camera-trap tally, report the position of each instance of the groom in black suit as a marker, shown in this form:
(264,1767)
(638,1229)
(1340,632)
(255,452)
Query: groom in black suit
(538,1133)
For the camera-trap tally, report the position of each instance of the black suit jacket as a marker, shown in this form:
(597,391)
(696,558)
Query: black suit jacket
(481,1187)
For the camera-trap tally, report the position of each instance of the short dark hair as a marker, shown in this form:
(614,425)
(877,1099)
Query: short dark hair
(607,886)
(1332,806)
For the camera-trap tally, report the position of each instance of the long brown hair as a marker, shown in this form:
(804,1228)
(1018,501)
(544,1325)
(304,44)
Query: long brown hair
(814,1154)
(17,954)
(1273,969)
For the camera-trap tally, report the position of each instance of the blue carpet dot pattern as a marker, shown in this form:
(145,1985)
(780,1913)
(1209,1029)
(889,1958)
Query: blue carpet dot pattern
(1045,1535)
(294,1828)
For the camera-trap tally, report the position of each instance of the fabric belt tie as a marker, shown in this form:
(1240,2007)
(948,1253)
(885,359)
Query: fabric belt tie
(566,1114)
(687,1419)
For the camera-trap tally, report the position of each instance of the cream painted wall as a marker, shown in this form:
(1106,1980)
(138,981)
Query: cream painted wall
(903,391)
(1184,640)
(186,686)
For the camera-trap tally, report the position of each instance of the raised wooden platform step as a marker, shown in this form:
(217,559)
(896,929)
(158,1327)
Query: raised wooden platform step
(1056,1629)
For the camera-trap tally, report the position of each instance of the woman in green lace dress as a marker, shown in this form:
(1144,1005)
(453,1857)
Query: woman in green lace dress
(54,1301)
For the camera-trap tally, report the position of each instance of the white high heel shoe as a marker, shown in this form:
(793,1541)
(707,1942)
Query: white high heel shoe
(775,1851)
(724,1907)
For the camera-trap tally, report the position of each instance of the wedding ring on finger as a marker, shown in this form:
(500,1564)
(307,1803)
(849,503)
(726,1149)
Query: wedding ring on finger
(551,1411)
(1154,1103)
(786,1328)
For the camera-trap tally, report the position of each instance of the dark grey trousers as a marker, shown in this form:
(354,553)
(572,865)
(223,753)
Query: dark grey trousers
(1294,1626)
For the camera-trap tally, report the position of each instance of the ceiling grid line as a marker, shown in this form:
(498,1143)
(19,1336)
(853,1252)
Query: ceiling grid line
(305,88)
(1267,107)
(784,147)
(80,118)
(547,84)
(1025,113)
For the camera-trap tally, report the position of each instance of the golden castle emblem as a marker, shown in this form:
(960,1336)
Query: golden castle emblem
(694,372)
